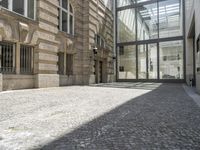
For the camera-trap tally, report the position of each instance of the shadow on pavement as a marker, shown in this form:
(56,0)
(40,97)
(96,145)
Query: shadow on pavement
(165,118)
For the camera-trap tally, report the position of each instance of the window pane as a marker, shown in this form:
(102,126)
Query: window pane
(61,63)
(26,58)
(121,3)
(127,62)
(71,24)
(171,60)
(147,17)
(18,6)
(64,21)
(31,8)
(126,25)
(71,9)
(141,1)
(152,61)
(65,4)
(170,18)
(142,62)
(4,3)
(69,65)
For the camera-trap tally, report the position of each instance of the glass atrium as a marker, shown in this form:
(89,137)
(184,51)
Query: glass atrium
(150,40)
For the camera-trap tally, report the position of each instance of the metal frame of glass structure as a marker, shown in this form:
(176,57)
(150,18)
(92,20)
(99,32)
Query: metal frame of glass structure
(135,42)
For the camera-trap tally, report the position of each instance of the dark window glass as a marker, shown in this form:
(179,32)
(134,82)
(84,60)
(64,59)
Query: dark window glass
(64,21)
(69,65)
(71,24)
(26,58)
(4,3)
(71,9)
(31,8)
(121,68)
(18,6)
(65,4)
(7,58)
(61,63)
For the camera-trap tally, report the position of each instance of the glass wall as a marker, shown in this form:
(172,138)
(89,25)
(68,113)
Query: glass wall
(127,62)
(170,18)
(126,25)
(152,61)
(142,62)
(171,60)
(153,31)
(147,22)
(121,3)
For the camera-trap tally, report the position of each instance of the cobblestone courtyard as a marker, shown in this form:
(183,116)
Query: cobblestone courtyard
(114,116)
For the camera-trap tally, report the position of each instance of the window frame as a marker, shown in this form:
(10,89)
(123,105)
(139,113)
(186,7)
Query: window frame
(69,13)
(10,8)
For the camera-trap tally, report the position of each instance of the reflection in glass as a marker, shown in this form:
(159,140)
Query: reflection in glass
(126,25)
(142,67)
(18,6)
(4,3)
(152,61)
(64,21)
(171,60)
(121,3)
(31,8)
(170,18)
(147,18)
(141,1)
(127,62)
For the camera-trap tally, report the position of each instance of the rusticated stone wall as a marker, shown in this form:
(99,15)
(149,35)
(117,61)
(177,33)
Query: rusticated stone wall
(91,17)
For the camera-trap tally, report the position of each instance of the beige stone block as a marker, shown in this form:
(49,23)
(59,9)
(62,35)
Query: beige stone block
(48,7)
(13,82)
(48,67)
(48,57)
(47,80)
(66,80)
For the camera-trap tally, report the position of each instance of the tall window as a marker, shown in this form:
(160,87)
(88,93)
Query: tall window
(65,67)
(22,7)
(66,19)
(7,57)
(69,65)
(26,59)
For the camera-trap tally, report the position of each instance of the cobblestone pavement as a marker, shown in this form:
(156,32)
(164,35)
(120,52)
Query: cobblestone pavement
(101,117)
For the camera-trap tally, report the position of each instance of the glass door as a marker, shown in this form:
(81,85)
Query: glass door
(148,61)
(142,61)
(152,61)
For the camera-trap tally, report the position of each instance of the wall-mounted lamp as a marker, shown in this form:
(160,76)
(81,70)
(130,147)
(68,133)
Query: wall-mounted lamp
(95,50)
(114,57)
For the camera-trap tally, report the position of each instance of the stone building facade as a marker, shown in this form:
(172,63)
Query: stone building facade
(193,43)
(56,45)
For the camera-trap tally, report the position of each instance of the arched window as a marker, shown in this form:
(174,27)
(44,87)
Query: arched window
(66,18)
